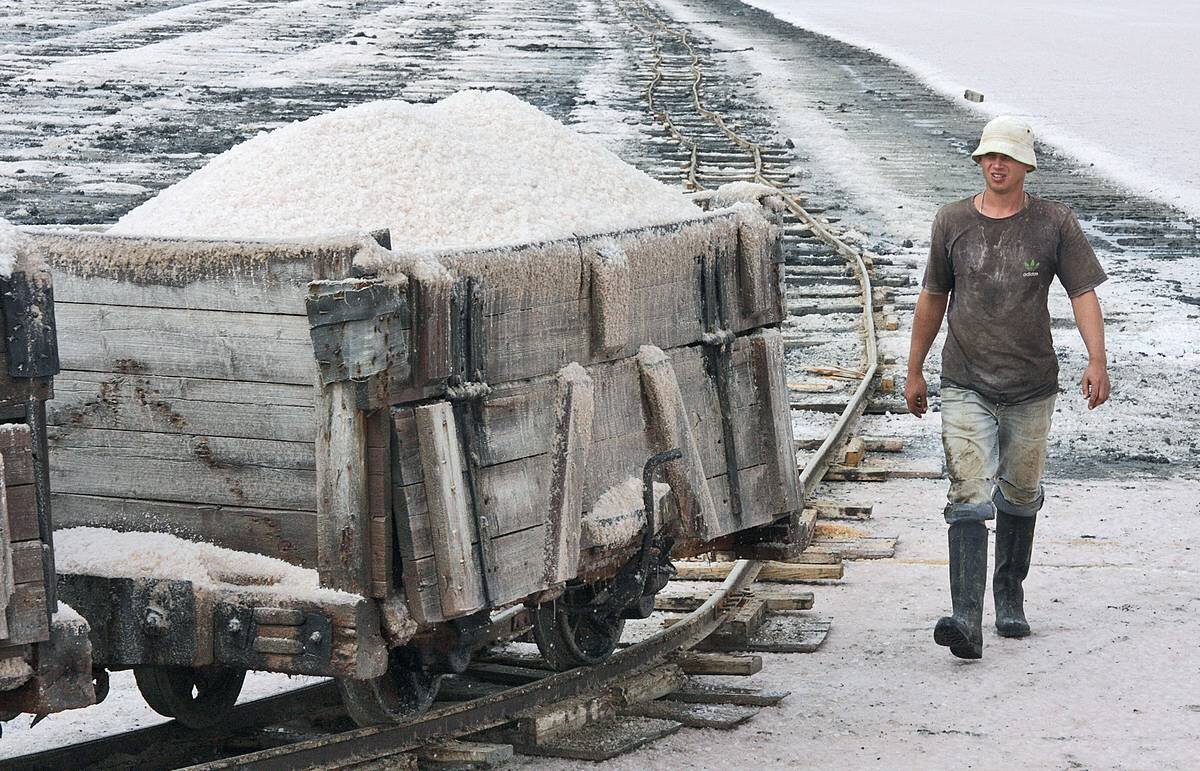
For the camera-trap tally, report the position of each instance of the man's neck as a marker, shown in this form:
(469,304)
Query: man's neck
(1000,205)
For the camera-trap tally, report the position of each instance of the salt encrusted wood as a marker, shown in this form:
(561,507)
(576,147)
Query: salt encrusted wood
(259,347)
(183,405)
(225,471)
(62,674)
(287,534)
(341,482)
(671,425)
(379,501)
(758,265)
(771,383)
(204,634)
(359,328)
(7,581)
(450,516)
(27,297)
(245,276)
(574,409)
(610,297)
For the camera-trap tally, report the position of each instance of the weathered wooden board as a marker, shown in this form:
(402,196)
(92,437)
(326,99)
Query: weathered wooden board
(451,525)
(186,343)
(189,469)
(671,427)
(192,274)
(288,535)
(574,407)
(183,405)
(22,512)
(340,479)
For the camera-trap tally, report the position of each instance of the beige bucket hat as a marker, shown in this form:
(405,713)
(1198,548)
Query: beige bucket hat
(1008,135)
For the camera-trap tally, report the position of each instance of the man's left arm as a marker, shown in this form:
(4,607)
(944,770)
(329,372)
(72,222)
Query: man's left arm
(1090,320)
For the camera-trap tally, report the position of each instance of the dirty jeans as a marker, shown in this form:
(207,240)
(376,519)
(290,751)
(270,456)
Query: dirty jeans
(995,454)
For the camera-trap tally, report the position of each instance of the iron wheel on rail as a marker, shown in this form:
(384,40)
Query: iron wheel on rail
(406,689)
(197,697)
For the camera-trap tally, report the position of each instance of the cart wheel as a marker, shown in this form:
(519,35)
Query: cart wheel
(406,689)
(574,639)
(197,697)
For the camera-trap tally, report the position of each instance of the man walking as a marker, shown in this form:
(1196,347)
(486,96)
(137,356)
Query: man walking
(992,259)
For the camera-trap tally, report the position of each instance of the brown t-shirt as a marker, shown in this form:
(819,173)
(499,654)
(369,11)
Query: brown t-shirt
(998,274)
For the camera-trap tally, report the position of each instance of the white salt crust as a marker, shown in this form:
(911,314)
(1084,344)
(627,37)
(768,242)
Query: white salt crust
(10,240)
(475,169)
(96,551)
(68,616)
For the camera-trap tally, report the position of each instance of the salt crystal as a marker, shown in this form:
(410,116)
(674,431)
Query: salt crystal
(96,551)
(10,239)
(475,169)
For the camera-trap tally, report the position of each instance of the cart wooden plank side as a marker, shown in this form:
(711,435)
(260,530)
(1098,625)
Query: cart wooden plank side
(440,437)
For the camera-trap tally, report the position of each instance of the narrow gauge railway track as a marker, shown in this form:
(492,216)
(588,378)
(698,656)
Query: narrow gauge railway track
(714,153)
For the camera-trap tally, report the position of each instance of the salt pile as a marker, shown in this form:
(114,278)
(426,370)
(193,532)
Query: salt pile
(97,551)
(9,240)
(475,169)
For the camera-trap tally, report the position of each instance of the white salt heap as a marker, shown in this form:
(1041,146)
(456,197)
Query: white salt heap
(97,551)
(475,169)
(9,238)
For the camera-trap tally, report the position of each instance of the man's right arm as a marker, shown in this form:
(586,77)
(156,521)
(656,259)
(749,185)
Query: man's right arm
(927,320)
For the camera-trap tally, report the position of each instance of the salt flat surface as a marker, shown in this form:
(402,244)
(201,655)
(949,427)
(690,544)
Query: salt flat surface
(475,169)
(1111,82)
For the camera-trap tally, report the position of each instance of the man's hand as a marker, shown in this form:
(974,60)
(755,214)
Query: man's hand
(927,320)
(916,393)
(1095,384)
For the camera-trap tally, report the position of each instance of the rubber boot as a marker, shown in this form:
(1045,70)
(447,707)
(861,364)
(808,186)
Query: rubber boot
(963,632)
(1014,546)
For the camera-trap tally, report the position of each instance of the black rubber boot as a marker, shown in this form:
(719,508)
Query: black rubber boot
(1014,546)
(963,632)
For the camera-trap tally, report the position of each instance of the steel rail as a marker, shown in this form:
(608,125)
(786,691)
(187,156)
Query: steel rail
(365,744)
(815,469)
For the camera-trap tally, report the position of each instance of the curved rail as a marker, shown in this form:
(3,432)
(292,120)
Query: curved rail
(364,744)
(815,469)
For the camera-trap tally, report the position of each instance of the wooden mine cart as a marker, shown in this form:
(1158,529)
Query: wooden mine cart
(440,437)
(45,660)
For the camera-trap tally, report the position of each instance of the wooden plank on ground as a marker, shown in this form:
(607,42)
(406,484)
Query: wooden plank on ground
(864,548)
(860,474)
(720,716)
(450,519)
(839,510)
(457,753)
(604,740)
(795,632)
(782,572)
(548,723)
(718,664)
(776,600)
(696,692)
